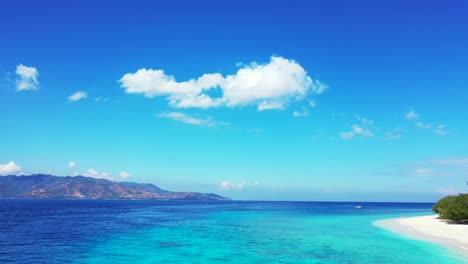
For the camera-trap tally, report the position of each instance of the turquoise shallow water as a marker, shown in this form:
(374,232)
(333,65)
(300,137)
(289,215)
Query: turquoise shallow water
(215,232)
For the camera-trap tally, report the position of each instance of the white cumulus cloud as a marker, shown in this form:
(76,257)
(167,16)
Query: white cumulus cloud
(268,86)
(27,78)
(103,175)
(77,96)
(99,175)
(227,185)
(124,175)
(9,168)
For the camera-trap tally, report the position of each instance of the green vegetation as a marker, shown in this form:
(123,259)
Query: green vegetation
(454,208)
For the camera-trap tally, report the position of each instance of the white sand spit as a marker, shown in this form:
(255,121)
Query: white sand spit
(429,228)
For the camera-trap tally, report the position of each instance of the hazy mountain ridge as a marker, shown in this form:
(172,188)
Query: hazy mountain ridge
(49,186)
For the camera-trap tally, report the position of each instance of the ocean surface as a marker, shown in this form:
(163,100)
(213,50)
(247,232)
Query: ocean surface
(119,231)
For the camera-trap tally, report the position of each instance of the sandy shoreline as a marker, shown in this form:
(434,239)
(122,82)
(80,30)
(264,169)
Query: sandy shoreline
(429,228)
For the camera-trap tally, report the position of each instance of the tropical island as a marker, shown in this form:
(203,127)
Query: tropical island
(44,186)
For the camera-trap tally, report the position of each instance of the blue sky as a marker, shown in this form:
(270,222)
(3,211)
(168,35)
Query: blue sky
(278,100)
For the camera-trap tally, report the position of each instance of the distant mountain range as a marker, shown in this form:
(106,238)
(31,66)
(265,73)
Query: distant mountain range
(49,186)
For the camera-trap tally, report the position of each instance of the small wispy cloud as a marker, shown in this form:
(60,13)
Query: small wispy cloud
(395,134)
(227,185)
(459,162)
(358,130)
(441,130)
(456,168)
(346,135)
(412,115)
(362,129)
(301,113)
(423,172)
(27,78)
(71,164)
(423,125)
(450,191)
(266,105)
(101,99)
(77,96)
(187,119)
(364,120)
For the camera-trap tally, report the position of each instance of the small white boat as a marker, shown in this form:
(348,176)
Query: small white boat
(358,207)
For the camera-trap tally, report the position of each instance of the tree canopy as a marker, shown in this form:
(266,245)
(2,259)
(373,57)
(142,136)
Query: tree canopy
(453,208)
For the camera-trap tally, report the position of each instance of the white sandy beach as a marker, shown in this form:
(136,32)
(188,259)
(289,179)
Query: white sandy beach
(429,228)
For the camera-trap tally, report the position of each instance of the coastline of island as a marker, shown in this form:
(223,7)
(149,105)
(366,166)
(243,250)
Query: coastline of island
(429,228)
(45,186)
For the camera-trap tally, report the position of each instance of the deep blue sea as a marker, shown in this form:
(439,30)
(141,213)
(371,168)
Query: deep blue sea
(122,231)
